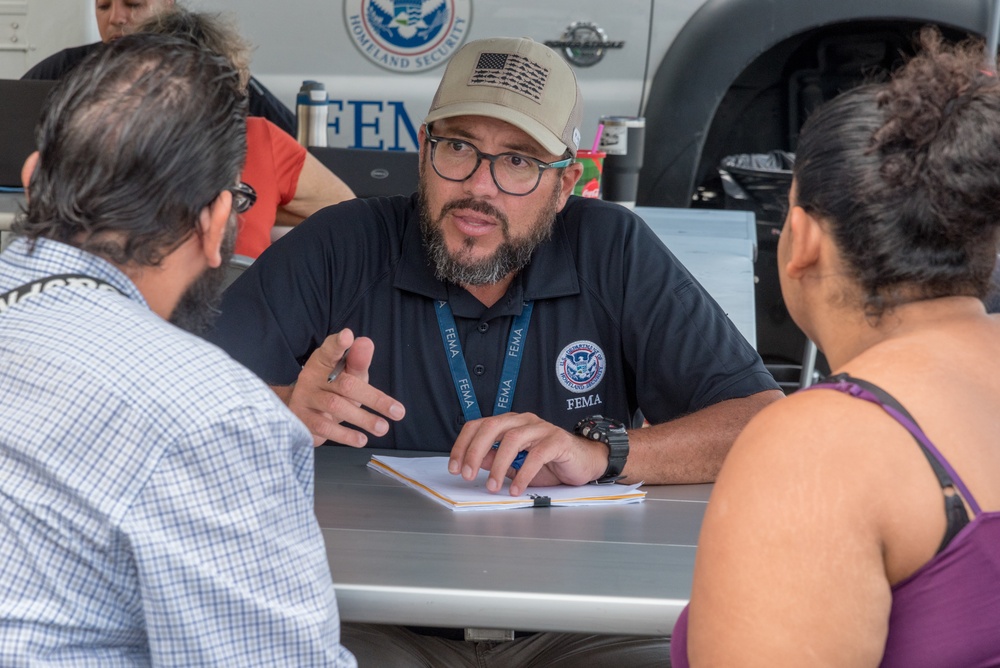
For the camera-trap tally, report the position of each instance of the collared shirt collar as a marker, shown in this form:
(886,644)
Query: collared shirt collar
(551,273)
(50,257)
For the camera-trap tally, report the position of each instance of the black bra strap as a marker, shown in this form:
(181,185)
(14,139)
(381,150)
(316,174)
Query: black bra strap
(955,513)
(891,401)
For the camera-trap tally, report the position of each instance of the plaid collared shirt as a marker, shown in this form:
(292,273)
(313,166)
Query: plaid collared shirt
(156,499)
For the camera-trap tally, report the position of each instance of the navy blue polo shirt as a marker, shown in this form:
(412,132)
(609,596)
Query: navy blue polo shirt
(618,323)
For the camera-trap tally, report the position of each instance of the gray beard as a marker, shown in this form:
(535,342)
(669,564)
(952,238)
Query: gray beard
(199,305)
(510,257)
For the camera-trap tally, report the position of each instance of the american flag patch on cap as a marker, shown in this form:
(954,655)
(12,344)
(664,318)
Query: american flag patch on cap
(511,71)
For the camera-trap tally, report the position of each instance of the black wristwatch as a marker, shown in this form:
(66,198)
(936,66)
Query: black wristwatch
(611,433)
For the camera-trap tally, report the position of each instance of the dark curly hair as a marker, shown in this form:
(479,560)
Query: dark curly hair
(133,144)
(907,173)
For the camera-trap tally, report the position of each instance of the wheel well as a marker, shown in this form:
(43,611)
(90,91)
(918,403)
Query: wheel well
(722,85)
(757,108)
(766,105)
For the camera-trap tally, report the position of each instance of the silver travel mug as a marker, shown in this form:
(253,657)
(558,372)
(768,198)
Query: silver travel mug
(312,109)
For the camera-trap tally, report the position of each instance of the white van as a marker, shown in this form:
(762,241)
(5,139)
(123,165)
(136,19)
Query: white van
(712,78)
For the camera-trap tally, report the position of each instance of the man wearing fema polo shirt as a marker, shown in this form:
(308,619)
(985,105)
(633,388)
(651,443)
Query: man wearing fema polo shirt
(493,307)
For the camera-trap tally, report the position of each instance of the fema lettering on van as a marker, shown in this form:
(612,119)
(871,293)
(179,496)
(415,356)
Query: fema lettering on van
(377,124)
(407,35)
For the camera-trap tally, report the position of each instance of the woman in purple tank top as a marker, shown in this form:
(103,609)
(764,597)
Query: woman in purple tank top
(858,523)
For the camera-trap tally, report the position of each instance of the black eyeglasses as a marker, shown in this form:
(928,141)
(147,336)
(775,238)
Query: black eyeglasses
(244,196)
(515,174)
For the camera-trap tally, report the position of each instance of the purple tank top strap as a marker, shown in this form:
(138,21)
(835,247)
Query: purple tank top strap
(846,384)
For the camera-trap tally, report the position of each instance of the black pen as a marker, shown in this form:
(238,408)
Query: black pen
(339,367)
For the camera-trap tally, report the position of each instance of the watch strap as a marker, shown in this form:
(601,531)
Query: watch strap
(612,433)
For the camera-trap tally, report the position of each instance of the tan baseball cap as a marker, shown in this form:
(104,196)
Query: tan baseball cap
(516,80)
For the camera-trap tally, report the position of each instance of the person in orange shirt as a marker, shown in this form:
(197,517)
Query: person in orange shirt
(290,182)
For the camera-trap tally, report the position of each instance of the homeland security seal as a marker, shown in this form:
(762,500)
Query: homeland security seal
(407,35)
(580,366)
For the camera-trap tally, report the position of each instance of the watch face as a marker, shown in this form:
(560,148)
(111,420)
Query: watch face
(597,426)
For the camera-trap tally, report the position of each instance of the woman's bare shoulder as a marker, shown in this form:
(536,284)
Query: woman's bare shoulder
(808,427)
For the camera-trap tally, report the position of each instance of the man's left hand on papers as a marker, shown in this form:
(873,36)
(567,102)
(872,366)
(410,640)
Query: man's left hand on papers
(555,456)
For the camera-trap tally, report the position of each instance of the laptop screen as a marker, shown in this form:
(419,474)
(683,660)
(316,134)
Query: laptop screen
(21,104)
(371,173)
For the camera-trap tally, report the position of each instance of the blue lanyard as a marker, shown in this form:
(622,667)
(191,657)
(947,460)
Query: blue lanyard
(460,371)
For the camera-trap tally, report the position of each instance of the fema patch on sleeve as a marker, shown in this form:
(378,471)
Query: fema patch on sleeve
(580,366)
(407,35)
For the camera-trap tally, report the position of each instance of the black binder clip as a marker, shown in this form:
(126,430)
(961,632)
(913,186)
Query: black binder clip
(540,501)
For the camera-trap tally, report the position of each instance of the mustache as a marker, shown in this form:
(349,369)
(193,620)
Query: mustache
(479,206)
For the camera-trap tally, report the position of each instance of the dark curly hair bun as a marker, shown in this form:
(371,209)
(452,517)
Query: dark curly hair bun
(908,174)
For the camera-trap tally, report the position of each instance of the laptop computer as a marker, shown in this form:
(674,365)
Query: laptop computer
(21,104)
(371,173)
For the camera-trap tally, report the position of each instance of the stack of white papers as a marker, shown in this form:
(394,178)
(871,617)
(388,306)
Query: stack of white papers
(429,476)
